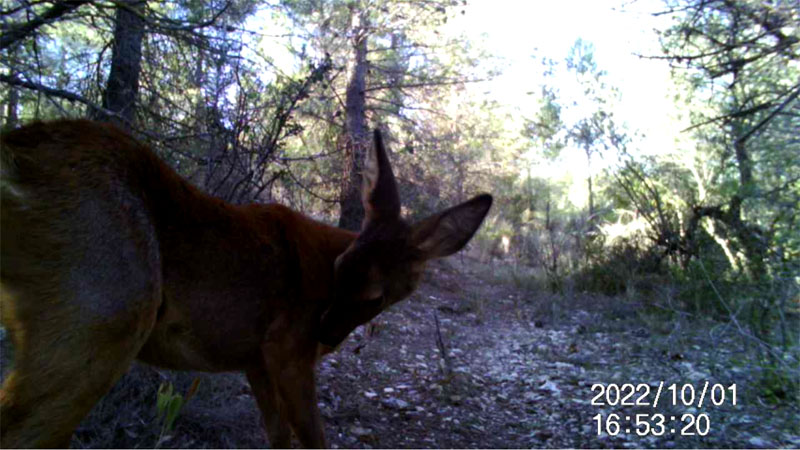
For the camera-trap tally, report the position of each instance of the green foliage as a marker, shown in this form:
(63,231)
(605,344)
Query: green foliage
(778,382)
(705,286)
(546,128)
(169,405)
(736,60)
(627,266)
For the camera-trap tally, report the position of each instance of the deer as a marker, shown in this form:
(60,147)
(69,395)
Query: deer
(107,256)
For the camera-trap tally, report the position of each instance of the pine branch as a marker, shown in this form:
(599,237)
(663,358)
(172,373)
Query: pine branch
(60,93)
(17,32)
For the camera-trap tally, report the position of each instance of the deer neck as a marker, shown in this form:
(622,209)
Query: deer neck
(316,246)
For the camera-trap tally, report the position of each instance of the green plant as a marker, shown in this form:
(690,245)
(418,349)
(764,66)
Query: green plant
(622,267)
(169,405)
(778,383)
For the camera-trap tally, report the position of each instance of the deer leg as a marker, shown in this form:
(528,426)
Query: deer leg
(298,392)
(60,372)
(294,377)
(269,402)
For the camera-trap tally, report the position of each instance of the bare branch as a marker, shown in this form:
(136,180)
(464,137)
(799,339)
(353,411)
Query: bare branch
(66,95)
(379,87)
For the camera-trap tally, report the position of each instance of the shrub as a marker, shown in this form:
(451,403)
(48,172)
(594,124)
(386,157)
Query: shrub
(623,267)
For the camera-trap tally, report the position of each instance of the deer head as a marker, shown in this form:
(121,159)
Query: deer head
(385,262)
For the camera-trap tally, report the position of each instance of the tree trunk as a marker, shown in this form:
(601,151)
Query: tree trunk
(750,235)
(589,183)
(122,87)
(11,108)
(357,135)
(547,224)
(13,94)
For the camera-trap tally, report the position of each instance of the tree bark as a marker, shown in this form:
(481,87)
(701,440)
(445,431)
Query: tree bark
(11,108)
(357,134)
(122,87)
(13,94)
(589,183)
(750,234)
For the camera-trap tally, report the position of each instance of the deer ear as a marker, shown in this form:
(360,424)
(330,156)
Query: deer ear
(379,189)
(449,231)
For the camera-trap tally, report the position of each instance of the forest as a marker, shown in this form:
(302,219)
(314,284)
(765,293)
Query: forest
(643,156)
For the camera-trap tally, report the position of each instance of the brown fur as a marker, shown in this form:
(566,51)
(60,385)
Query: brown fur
(107,255)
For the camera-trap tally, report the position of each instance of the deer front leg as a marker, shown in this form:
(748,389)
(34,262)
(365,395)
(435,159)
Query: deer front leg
(272,412)
(294,376)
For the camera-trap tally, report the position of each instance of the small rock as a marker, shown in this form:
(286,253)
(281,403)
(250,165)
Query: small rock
(370,394)
(531,397)
(757,442)
(549,386)
(641,333)
(395,403)
(542,435)
(360,431)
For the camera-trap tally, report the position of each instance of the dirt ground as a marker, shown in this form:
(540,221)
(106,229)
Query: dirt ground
(509,367)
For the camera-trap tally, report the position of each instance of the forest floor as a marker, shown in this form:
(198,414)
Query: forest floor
(510,367)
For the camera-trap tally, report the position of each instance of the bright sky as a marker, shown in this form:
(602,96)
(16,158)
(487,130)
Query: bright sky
(516,30)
